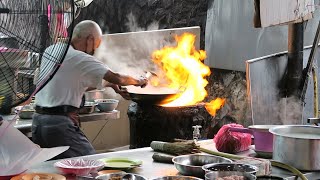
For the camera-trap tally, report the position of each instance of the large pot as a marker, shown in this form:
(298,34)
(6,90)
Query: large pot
(263,139)
(297,145)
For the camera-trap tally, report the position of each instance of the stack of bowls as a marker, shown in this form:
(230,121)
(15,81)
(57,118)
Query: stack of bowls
(217,170)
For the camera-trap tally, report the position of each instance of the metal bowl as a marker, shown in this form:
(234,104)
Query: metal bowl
(220,174)
(240,167)
(26,114)
(191,165)
(119,176)
(93,95)
(177,178)
(265,177)
(87,109)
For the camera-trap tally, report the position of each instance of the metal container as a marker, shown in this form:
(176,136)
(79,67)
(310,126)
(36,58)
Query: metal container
(313,121)
(177,178)
(297,145)
(239,167)
(191,165)
(93,95)
(220,174)
(87,109)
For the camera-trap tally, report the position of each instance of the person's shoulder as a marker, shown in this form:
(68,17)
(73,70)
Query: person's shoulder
(83,56)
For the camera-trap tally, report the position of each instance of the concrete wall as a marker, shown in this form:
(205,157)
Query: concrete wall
(117,16)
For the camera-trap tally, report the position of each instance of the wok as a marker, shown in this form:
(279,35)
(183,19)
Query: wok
(152,95)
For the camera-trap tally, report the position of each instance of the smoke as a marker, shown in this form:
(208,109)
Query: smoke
(133,26)
(130,53)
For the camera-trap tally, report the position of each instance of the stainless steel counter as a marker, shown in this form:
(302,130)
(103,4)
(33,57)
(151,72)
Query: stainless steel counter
(25,124)
(151,169)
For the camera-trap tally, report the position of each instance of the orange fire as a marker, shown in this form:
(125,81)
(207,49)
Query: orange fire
(213,106)
(184,70)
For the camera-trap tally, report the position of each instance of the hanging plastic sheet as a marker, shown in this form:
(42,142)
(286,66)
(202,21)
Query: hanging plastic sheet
(18,153)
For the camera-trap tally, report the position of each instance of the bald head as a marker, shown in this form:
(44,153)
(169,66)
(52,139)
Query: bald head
(86,36)
(86,28)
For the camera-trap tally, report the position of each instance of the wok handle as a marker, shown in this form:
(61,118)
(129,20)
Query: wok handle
(241,130)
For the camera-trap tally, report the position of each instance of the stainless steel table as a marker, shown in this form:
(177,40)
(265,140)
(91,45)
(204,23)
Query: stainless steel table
(150,169)
(25,124)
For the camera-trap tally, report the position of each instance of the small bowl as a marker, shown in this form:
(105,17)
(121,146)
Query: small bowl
(240,167)
(177,178)
(107,105)
(191,165)
(118,176)
(221,174)
(79,167)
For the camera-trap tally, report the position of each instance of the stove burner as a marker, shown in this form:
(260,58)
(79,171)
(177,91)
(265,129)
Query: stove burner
(149,123)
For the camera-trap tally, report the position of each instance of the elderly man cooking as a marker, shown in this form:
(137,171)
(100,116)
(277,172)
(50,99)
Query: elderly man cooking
(55,122)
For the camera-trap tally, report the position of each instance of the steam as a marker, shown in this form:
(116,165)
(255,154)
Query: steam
(130,53)
(290,111)
(277,111)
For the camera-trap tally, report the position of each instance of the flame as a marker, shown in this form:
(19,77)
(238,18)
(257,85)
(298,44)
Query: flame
(184,70)
(215,105)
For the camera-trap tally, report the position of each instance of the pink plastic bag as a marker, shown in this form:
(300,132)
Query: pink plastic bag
(232,142)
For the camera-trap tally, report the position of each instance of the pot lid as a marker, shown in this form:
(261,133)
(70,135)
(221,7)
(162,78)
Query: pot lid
(297,131)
